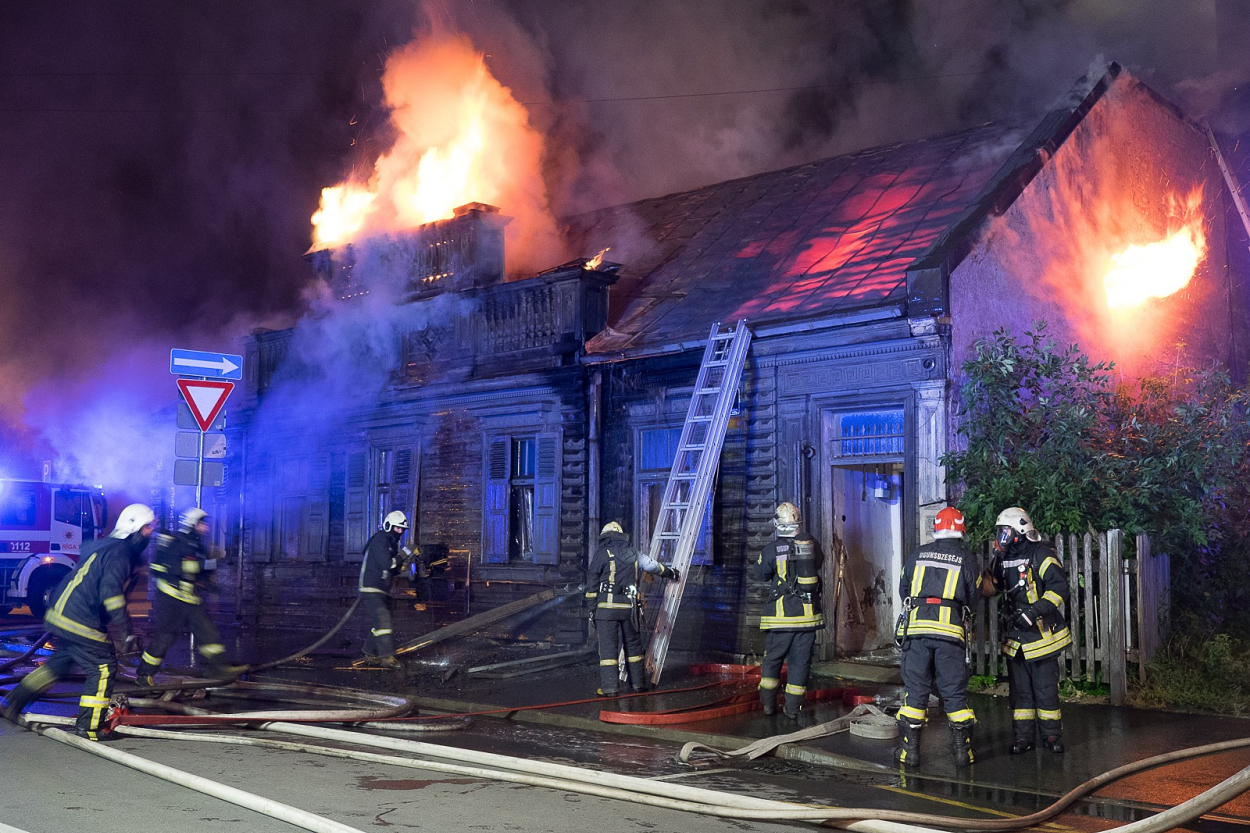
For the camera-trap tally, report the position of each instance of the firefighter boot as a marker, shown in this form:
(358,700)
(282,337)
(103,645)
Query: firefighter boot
(1020,746)
(1053,743)
(768,699)
(961,743)
(907,752)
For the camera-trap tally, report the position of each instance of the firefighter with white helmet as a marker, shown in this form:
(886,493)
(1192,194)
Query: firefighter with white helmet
(382,562)
(612,590)
(790,565)
(1026,571)
(180,566)
(938,583)
(88,622)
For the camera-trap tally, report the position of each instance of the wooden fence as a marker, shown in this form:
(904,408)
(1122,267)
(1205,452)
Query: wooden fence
(1117,611)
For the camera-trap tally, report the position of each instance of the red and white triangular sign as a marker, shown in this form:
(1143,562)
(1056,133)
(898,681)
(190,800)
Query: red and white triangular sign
(205,398)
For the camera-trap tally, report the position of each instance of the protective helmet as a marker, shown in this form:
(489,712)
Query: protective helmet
(611,526)
(132,519)
(1013,525)
(786,520)
(949,523)
(191,518)
(395,520)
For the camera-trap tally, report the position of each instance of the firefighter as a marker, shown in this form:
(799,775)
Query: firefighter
(381,564)
(1034,587)
(613,592)
(939,582)
(790,564)
(88,622)
(180,567)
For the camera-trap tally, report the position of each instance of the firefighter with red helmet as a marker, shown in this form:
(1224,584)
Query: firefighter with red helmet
(1026,571)
(790,565)
(613,593)
(88,622)
(381,564)
(938,584)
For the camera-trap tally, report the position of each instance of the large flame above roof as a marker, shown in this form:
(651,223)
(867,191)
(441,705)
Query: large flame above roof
(461,137)
(1160,268)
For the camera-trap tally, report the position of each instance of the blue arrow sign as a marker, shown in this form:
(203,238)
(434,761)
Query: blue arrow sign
(210,365)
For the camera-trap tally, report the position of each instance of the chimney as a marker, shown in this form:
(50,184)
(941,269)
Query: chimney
(464,252)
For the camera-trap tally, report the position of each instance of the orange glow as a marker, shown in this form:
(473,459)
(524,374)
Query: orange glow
(460,137)
(1159,269)
(343,211)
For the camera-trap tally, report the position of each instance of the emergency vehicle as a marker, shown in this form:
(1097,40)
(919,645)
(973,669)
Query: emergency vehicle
(43,527)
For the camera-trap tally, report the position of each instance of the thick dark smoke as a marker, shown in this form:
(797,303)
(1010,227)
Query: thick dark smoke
(161,160)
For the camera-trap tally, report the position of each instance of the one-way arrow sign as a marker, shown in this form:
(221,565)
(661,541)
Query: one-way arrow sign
(199,363)
(205,398)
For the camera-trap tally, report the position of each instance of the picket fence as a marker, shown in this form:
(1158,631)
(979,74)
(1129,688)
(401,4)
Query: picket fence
(1117,611)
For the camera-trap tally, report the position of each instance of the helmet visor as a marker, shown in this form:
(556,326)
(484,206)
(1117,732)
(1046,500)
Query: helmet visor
(1004,537)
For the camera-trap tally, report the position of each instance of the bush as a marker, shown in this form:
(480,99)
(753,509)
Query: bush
(1199,671)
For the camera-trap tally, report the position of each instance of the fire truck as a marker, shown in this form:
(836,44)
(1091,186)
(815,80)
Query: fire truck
(43,527)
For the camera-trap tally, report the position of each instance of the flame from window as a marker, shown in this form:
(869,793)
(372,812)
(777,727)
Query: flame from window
(1161,268)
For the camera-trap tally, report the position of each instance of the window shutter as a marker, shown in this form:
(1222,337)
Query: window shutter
(263,519)
(313,525)
(547,500)
(357,498)
(495,514)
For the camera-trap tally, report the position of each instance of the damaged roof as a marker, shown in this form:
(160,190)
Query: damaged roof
(828,237)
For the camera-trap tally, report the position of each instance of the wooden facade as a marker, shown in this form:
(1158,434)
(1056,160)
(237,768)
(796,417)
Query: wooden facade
(556,399)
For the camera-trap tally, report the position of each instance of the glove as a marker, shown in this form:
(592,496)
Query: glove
(669,573)
(1025,617)
(591,614)
(127,645)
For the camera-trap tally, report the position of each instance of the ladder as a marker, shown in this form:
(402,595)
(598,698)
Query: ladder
(689,488)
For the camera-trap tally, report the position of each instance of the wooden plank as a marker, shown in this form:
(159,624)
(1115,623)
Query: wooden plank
(476,623)
(1073,566)
(1089,621)
(1113,579)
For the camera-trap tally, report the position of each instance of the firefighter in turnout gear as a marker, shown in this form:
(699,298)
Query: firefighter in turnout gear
(790,564)
(88,622)
(180,567)
(938,584)
(613,592)
(1035,589)
(381,564)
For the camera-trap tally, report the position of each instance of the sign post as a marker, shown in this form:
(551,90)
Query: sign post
(205,397)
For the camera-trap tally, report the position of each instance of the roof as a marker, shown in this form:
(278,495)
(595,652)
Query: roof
(828,237)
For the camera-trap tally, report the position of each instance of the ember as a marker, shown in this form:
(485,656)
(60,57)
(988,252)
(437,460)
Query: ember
(1158,269)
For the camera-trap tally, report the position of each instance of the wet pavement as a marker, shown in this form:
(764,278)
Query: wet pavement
(554,714)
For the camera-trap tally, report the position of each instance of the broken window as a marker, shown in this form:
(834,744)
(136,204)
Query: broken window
(522,495)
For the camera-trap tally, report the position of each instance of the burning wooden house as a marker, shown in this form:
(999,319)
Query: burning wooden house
(518,416)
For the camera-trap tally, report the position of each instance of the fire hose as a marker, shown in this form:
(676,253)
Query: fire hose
(709,802)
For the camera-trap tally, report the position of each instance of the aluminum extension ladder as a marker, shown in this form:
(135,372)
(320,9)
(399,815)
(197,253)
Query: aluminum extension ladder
(689,488)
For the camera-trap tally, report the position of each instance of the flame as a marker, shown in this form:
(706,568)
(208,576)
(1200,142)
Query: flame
(461,137)
(597,261)
(1159,269)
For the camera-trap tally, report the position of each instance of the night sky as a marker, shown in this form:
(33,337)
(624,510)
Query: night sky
(159,162)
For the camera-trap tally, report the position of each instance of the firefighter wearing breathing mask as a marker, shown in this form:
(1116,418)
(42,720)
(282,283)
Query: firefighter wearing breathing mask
(939,582)
(383,561)
(790,565)
(1034,590)
(612,590)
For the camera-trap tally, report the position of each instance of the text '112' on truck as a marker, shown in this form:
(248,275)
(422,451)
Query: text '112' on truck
(43,527)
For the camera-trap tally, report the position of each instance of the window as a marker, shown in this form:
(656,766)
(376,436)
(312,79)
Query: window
(869,434)
(68,507)
(522,495)
(392,483)
(19,504)
(657,448)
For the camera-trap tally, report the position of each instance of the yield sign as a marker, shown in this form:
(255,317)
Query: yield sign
(205,398)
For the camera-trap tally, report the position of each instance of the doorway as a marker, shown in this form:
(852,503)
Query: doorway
(864,500)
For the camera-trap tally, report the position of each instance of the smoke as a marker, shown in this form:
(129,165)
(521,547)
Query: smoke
(162,161)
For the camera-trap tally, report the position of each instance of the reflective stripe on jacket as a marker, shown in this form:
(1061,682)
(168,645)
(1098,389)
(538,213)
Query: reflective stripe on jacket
(940,579)
(1031,577)
(791,568)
